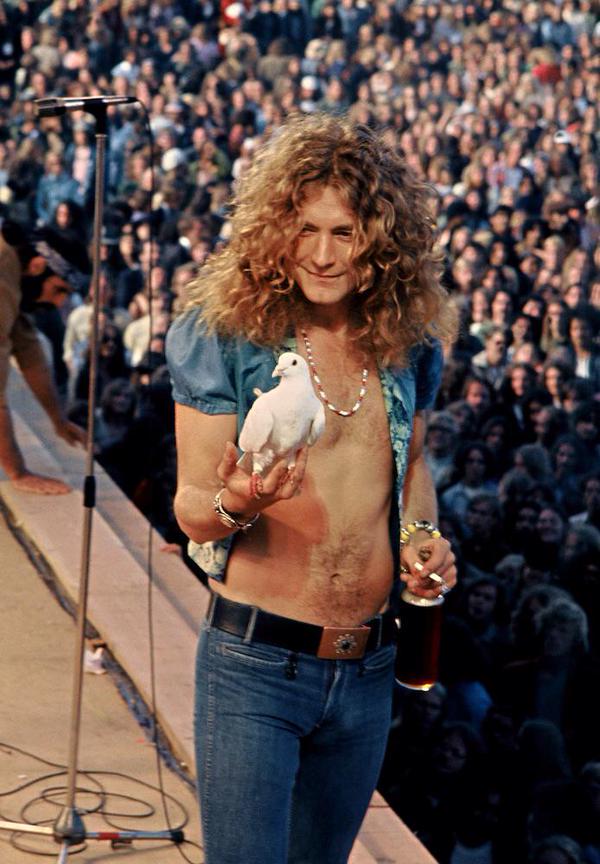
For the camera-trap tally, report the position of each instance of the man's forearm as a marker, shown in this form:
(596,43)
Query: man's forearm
(11,457)
(419,498)
(39,380)
(196,515)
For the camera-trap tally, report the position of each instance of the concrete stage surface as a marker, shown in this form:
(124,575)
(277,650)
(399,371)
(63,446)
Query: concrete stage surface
(37,639)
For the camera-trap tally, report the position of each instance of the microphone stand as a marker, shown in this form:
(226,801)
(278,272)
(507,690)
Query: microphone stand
(69,829)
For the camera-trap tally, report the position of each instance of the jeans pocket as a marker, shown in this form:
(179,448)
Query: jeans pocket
(254,655)
(379,661)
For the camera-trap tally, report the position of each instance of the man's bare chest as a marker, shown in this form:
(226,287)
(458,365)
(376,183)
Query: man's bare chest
(367,430)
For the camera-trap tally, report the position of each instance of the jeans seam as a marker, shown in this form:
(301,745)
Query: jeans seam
(209,748)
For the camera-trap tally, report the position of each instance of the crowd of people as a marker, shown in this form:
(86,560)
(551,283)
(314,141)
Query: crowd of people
(496,105)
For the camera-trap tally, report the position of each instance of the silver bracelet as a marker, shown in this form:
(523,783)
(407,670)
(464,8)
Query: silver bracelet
(227,518)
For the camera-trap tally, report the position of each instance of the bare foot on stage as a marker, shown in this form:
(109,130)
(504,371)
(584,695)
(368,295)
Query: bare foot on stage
(37,484)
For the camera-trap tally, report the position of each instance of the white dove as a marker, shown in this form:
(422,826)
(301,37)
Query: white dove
(283,420)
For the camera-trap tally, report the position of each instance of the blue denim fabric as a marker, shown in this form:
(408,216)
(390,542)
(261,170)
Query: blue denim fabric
(219,376)
(288,749)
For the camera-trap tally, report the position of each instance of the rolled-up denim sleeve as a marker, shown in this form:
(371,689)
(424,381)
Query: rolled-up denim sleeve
(428,375)
(201,376)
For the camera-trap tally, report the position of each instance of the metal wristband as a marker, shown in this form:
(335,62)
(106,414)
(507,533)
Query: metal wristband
(227,518)
(418,525)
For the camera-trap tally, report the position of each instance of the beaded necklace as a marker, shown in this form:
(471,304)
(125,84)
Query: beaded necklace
(313,369)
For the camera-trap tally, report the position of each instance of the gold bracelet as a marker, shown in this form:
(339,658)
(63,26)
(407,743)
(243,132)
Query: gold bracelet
(418,525)
(228,518)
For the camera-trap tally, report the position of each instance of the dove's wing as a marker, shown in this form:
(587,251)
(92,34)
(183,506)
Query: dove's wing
(257,427)
(317,427)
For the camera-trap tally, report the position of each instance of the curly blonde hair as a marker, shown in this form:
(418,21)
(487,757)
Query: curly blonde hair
(248,288)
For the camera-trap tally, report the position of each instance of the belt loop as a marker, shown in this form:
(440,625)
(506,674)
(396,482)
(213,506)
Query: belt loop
(251,625)
(379,631)
(211,609)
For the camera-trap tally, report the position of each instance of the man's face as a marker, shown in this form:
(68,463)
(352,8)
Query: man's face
(566,458)
(558,638)
(499,222)
(440,439)
(475,468)
(54,164)
(591,495)
(586,430)
(549,527)
(495,348)
(580,333)
(526,520)
(480,519)
(501,304)
(323,252)
(54,290)
(481,602)
(477,397)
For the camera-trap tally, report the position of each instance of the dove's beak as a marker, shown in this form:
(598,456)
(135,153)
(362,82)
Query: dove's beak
(276,372)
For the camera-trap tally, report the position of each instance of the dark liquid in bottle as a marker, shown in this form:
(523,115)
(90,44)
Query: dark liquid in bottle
(418,653)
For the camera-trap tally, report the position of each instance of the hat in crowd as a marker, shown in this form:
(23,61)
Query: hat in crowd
(309,82)
(172,159)
(443,420)
(562,137)
(233,13)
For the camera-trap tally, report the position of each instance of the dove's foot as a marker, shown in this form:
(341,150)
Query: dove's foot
(256,485)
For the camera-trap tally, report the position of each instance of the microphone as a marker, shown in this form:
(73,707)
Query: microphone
(56,106)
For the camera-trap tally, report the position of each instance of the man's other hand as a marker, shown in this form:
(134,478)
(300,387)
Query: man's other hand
(37,484)
(419,560)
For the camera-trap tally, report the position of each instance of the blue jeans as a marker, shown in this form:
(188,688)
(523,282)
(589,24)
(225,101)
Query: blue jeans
(288,749)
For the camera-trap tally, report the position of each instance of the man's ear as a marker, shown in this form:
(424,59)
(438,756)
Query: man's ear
(35,266)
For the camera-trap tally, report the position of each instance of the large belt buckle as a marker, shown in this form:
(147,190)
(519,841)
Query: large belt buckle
(343,643)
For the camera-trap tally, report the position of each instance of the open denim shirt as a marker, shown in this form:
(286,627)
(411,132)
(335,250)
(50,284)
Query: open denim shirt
(218,376)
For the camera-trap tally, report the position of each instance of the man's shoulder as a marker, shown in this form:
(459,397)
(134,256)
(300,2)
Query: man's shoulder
(189,328)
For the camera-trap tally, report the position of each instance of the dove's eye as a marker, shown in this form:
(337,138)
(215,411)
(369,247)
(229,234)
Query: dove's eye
(294,362)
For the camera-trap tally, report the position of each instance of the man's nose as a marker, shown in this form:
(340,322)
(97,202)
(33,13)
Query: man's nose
(322,253)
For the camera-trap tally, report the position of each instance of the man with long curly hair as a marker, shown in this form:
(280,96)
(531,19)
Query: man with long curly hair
(331,255)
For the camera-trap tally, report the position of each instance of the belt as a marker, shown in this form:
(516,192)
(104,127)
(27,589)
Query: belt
(330,643)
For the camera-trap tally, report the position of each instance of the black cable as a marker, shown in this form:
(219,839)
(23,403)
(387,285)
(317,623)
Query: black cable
(50,796)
